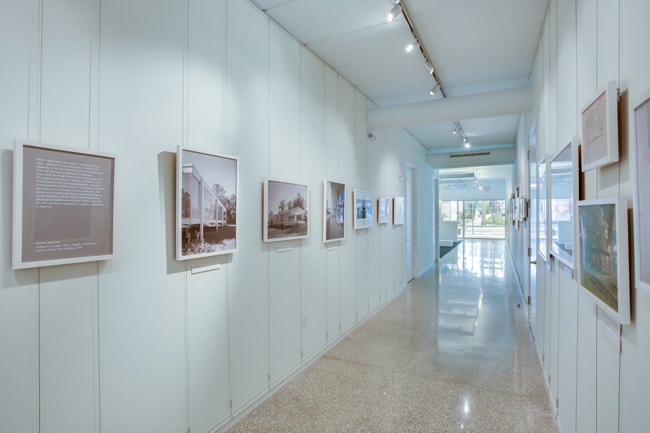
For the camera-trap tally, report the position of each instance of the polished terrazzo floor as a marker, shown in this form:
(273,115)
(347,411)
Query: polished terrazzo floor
(453,353)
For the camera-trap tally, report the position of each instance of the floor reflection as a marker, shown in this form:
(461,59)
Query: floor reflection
(453,353)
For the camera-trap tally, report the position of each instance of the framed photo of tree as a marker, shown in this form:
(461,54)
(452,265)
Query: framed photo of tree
(206,204)
(604,266)
(286,211)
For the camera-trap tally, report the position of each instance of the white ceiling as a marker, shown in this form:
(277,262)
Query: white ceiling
(476,46)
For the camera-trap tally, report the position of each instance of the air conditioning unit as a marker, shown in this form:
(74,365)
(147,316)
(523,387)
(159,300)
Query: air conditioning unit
(473,158)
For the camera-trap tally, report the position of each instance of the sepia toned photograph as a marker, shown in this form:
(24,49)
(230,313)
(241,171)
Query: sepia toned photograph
(286,211)
(600,129)
(604,256)
(333,211)
(206,204)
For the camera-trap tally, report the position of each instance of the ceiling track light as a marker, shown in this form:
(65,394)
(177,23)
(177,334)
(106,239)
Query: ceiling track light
(394,12)
(456,129)
(434,89)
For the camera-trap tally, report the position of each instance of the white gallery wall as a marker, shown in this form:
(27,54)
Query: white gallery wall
(141,343)
(586,43)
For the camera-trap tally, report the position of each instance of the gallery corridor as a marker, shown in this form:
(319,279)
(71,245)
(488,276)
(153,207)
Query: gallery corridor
(453,353)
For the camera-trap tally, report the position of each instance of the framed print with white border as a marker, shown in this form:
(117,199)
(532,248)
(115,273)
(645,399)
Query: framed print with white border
(207,190)
(600,129)
(640,162)
(64,205)
(604,265)
(286,211)
(333,211)
(363,209)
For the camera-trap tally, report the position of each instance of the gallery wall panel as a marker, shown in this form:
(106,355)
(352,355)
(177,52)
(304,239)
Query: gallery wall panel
(313,253)
(69,348)
(284,106)
(247,136)
(284,309)
(567,351)
(333,269)
(207,354)
(142,310)
(208,342)
(348,165)
(206,75)
(19,363)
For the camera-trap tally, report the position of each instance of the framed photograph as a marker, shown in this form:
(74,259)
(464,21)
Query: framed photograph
(604,266)
(600,129)
(63,205)
(206,204)
(641,210)
(333,211)
(564,194)
(286,211)
(363,209)
(542,211)
(399,210)
(383,210)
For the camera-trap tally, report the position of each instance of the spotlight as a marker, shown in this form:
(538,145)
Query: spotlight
(435,89)
(412,46)
(467,144)
(456,129)
(429,67)
(394,13)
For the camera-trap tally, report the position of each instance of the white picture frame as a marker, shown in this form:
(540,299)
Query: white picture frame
(363,209)
(641,209)
(543,216)
(64,205)
(399,210)
(286,211)
(384,210)
(564,194)
(333,211)
(207,192)
(600,128)
(603,252)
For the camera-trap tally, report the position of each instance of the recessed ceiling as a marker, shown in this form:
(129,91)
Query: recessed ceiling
(476,46)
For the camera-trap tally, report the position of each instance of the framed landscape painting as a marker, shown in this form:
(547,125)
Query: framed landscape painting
(286,211)
(604,266)
(641,210)
(333,211)
(363,209)
(206,204)
(63,205)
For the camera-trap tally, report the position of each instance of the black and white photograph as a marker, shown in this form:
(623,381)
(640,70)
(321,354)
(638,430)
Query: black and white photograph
(286,211)
(333,211)
(206,204)
(363,209)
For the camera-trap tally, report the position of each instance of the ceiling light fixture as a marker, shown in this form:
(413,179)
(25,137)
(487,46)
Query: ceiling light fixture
(394,12)
(456,129)
(412,46)
(434,89)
